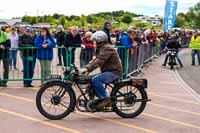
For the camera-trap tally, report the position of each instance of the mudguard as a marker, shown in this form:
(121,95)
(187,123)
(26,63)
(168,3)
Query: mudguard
(56,78)
(137,82)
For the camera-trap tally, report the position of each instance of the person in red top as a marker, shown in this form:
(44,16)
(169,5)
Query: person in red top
(154,37)
(88,49)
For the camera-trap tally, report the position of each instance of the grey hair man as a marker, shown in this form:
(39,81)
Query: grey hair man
(60,37)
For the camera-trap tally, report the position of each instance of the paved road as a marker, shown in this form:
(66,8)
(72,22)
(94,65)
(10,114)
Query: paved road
(190,74)
(172,110)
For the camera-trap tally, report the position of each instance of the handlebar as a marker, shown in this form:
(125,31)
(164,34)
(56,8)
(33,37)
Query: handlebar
(75,68)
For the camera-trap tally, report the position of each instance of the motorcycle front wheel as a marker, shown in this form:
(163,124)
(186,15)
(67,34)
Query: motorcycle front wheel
(55,100)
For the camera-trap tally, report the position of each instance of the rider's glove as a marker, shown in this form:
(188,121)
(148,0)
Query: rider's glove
(83,70)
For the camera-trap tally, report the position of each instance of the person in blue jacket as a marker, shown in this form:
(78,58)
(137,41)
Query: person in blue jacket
(45,44)
(128,41)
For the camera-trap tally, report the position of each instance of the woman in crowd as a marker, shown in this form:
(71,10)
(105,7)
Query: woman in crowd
(13,50)
(88,51)
(45,43)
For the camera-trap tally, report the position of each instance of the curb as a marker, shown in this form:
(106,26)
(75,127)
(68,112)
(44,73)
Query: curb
(186,87)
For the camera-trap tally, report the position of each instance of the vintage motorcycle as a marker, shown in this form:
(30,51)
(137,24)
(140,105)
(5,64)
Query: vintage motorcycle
(57,98)
(172,58)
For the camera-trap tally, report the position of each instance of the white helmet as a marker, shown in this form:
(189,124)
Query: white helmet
(99,37)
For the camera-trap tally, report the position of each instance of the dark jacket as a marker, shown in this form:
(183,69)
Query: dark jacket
(173,44)
(108,34)
(6,43)
(44,53)
(118,37)
(27,41)
(107,59)
(60,37)
(71,41)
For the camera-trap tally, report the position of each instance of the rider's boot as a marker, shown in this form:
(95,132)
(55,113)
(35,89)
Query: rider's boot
(104,102)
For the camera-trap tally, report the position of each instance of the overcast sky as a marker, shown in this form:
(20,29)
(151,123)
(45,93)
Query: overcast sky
(15,8)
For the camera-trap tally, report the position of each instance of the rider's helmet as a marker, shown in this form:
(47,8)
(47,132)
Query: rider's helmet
(100,37)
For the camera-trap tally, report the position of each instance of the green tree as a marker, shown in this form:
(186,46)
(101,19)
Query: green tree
(83,21)
(196,11)
(91,19)
(141,25)
(127,19)
(29,20)
(34,20)
(24,19)
(62,20)
(56,16)
(180,21)
(73,17)
(181,14)
(51,20)
(193,16)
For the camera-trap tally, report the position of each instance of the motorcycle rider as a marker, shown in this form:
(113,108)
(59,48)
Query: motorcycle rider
(107,59)
(173,44)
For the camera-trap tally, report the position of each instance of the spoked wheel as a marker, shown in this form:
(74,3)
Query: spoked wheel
(129,101)
(172,64)
(172,61)
(55,100)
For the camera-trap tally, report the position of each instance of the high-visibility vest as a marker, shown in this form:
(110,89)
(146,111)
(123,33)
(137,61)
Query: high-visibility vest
(195,43)
(3,37)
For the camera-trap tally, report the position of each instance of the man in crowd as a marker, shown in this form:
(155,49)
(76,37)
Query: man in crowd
(71,41)
(60,36)
(107,28)
(4,56)
(26,41)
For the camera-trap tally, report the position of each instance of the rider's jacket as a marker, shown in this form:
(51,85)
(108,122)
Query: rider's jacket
(107,59)
(173,44)
(195,43)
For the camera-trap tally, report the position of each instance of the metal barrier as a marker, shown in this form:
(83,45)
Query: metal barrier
(27,64)
(132,61)
(142,55)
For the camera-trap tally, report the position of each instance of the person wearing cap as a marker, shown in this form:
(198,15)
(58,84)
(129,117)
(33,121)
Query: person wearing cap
(107,27)
(107,59)
(28,54)
(4,56)
(195,46)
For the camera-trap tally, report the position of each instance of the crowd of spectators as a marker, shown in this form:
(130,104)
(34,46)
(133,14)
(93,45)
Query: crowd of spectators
(39,44)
